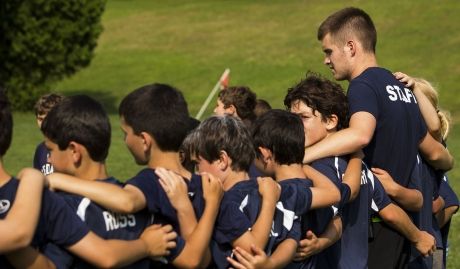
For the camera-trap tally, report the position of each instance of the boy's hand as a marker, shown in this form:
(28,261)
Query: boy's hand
(426,244)
(307,247)
(269,189)
(387,181)
(174,187)
(212,189)
(159,240)
(245,260)
(405,79)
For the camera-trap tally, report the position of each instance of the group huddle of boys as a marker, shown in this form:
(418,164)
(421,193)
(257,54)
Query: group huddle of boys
(324,214)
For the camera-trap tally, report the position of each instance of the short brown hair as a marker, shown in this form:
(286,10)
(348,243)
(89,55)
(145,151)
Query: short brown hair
(350,21)
(243,99)
(46,102)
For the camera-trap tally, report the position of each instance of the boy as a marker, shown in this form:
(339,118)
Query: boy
(43,105)
(221,146)
(381,110)
(77,134)
(280,138)
(237,101)
(58,224)
(154,119)
(322,105)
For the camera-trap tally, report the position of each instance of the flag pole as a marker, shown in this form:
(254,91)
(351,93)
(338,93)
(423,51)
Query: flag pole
(222,80)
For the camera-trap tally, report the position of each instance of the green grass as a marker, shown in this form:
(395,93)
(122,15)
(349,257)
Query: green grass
(268,45)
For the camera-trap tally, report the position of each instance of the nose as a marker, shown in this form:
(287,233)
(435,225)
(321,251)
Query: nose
(327,61)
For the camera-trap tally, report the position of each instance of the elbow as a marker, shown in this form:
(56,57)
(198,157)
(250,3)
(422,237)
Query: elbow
(389,216)
(23,238)
(362,141)
(109,261)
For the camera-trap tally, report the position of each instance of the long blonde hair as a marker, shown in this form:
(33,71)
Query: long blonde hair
(432,94)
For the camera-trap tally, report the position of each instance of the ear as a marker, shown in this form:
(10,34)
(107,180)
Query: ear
(231,110)
(267,154)
(350,46)
(224,160)
(147,141)
(331,122)
(75,151)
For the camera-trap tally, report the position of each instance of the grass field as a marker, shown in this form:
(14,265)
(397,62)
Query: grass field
(268,45)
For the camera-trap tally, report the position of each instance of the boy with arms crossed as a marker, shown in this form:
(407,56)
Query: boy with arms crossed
(155,121)
(381,109)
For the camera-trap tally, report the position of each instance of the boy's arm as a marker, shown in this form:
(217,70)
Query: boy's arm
(444,215)
(177,192)
(355,137)
(312,245)
(122,200)
(18,228)
(324,192)
(409,199)
(258,235)
(352,176)
(428,111)
(435,153)
(155,242)
(196,253)
(400,221)
(29,258)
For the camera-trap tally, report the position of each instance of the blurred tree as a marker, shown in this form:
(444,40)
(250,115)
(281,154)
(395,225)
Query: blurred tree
(43,41)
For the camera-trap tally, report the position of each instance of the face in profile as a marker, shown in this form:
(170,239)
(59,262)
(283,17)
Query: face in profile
(314,126)
(134,142)
(335,58)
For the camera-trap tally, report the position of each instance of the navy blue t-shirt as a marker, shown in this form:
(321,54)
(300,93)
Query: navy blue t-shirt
(57,223)
(400,127)
(41,159)
(352,246)
(158,203)
(238,211)
(104,223)
(450,199)
(424,178)
(294,202)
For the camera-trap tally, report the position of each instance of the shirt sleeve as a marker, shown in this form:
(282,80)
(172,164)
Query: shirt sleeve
(64,228)
(147,182)
(448,194)
(380,198)
(231,223)
(362,97)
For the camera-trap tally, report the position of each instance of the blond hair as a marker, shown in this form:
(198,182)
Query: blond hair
(432,94)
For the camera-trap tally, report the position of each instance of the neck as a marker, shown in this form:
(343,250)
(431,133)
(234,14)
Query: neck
(234,177)
(169,160)
(4,176)
(91,171)
(283,172)
(368,60)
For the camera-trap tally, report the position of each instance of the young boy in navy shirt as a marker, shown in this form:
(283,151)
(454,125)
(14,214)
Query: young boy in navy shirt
(77,134)
(221,146)
(155,120)
(280,138)
(43,105)
(322,105)
(57,223)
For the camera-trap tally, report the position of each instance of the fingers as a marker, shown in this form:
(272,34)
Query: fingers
(167,228)
(256,250)
(235,264)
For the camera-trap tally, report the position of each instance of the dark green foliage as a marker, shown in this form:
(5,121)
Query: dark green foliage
(43,41)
